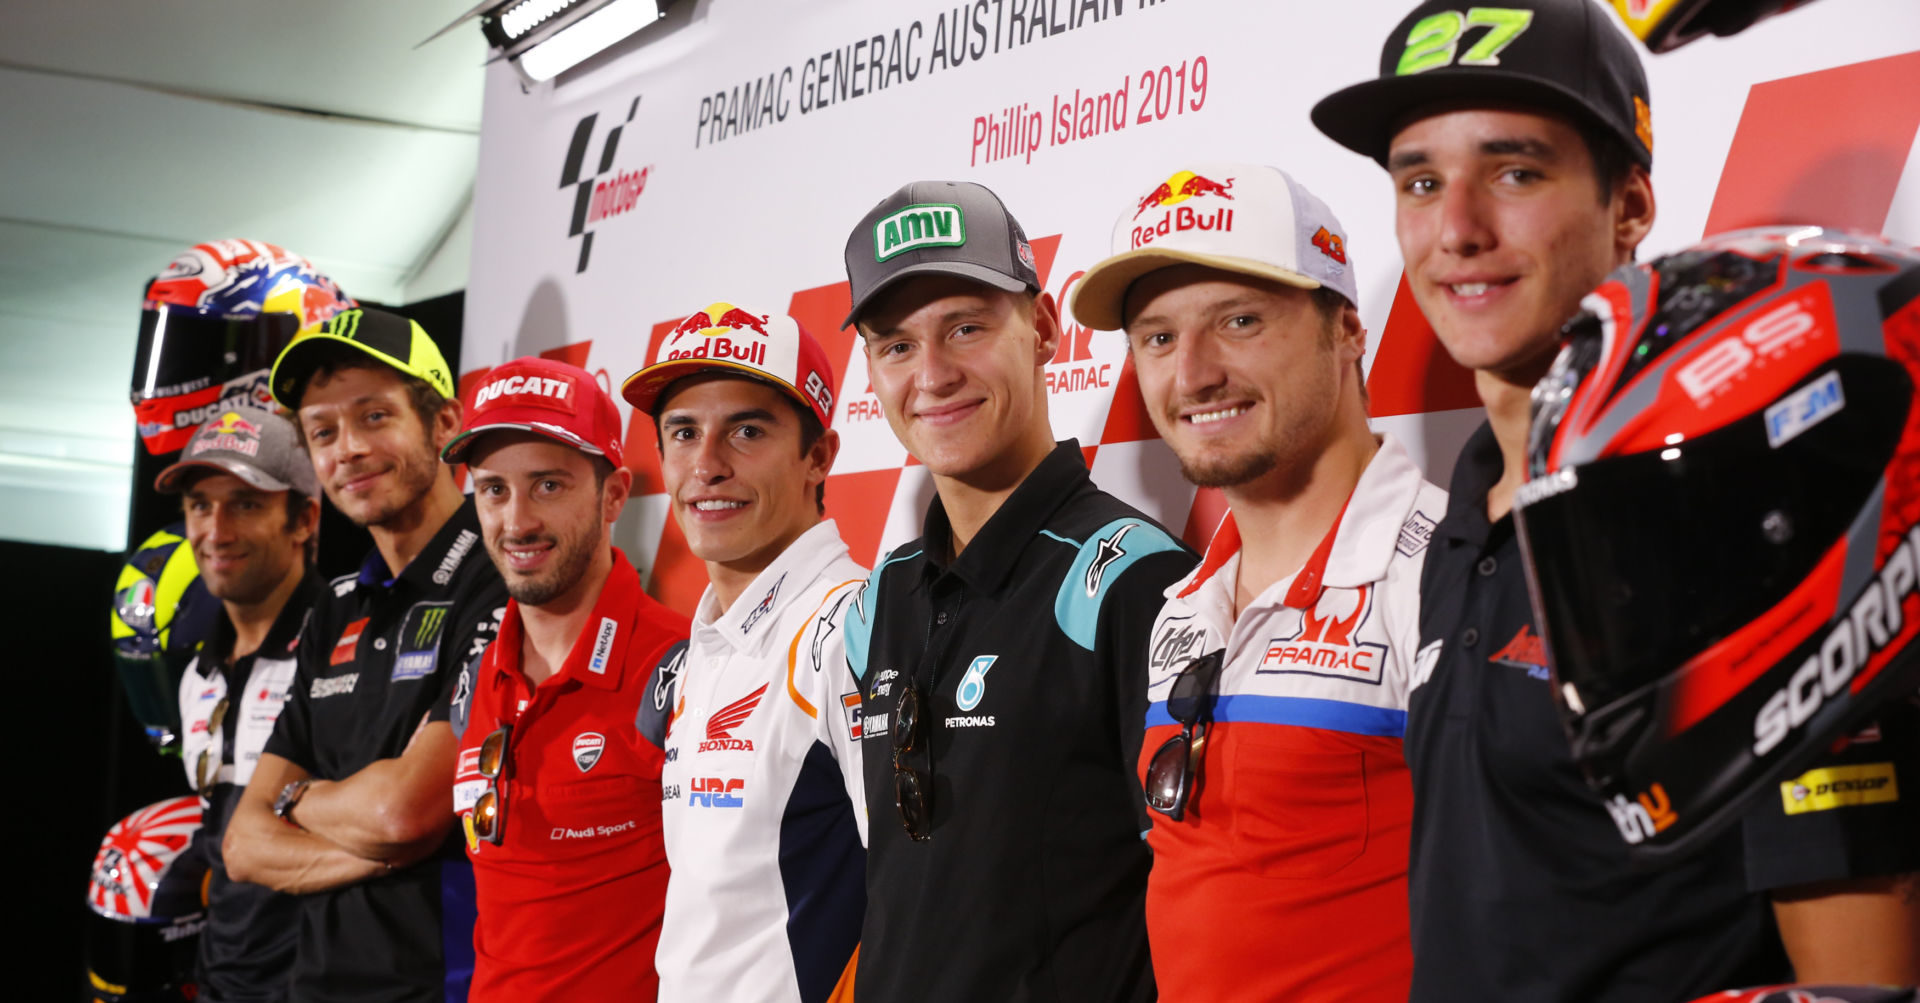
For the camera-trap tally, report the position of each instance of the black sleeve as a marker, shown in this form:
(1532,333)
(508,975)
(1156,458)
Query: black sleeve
(1125,637)
(1855,813)
(476,618)
(657,700)
(292,738)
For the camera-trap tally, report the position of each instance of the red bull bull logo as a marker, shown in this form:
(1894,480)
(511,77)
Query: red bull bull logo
(714,335)
(1168,195)
(1182,186)
(229,434)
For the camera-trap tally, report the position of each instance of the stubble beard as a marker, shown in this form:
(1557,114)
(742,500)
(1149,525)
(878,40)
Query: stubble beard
(574,557)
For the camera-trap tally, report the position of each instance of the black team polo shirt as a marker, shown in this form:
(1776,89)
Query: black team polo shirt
(381,652)
(1520,885)
(1031,651)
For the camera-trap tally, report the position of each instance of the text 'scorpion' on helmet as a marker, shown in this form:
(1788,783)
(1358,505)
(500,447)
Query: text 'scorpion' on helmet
(1720,519)
(211,325)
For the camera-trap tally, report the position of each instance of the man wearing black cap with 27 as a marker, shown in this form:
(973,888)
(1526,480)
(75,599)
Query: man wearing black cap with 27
(1002,656)
(1519,139)
(348,804)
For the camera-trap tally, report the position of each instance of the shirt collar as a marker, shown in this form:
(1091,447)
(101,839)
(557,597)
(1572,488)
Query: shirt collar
(438,561)
(1474,474)
(1356,551)
(994,551)
(598,655)
(282,639)
(747,624)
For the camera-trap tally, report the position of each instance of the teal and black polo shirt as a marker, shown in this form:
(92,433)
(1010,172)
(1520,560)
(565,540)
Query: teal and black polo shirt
(1030,650)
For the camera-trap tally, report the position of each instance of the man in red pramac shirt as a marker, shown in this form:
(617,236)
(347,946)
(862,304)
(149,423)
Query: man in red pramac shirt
(558,783)
(1279,670)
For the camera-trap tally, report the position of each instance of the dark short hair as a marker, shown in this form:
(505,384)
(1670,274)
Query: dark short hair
(296,504)
(1611,159)
(334,359)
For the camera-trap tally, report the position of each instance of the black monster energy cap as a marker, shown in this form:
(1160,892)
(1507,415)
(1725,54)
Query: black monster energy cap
(938,228)
(1562,55)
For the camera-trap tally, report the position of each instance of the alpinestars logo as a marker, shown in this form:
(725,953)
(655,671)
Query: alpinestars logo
(604,193)
(720,726)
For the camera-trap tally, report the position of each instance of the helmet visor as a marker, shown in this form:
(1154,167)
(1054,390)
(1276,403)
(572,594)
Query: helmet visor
(181,352)
(1644,561)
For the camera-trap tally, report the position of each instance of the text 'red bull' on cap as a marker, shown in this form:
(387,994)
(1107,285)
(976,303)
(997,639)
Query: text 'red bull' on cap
(769,347)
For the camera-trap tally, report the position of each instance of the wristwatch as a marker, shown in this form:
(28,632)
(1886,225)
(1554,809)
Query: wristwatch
(290,796)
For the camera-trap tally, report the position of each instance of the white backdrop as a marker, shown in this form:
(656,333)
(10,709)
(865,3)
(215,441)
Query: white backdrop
(740,164)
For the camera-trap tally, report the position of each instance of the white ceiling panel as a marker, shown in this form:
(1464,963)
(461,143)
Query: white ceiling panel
(135,130)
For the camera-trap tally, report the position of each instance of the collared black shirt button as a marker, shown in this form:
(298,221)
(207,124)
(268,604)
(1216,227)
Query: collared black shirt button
(1487,567)
(379,644)
(940,617)
(1469,637)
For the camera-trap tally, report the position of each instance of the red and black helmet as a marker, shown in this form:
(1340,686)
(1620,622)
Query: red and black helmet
(1720,518)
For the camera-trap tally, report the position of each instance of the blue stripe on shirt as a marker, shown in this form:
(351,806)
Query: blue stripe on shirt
(1305,712)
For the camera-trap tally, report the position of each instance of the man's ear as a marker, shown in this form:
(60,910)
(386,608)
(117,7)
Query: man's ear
(1633,213)
(619,488)
(446,424)
(1046,323)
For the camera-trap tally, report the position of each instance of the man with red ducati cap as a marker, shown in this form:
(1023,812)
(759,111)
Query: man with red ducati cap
(558,780)
(1520,143)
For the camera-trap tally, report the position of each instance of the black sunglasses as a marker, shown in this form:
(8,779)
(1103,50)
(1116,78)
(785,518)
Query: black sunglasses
(203,780)
(910,790)
(1174,771)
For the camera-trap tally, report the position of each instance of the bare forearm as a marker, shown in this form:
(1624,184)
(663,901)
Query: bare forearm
(1858,931)
(267,851)
(369,815)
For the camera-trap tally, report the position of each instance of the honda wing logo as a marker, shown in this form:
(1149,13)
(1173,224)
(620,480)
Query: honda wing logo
(720,726)
(605,192)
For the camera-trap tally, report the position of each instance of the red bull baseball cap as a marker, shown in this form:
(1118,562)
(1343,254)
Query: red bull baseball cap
(938,228)
(1243,218)
(770,347)
(562,402)
(255,445)
(388,337)
(1560,55)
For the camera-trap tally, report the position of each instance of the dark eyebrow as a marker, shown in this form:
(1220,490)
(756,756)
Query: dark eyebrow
(976,311)
(677,419)
(1523,146)
(1405,159)
(555,472)
(1505,147)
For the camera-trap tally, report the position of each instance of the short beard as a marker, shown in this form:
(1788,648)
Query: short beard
(416,474)
(1230,472)
(566,574)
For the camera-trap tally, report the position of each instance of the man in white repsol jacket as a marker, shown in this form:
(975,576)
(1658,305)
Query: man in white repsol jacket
(761,792)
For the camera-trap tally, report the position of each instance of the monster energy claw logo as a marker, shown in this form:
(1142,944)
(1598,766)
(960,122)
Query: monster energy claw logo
(429,627)
(918,226)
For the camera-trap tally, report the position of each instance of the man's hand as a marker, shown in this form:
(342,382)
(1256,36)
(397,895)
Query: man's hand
(261,848)
(396,810)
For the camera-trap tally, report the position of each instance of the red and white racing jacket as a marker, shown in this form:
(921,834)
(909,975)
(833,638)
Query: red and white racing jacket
(762,797)
(1298,832)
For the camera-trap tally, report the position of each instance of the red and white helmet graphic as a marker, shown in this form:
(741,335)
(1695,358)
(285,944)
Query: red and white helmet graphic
(1722,518)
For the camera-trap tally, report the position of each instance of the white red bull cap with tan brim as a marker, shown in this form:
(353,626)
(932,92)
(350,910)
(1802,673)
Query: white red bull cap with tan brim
(1245,218)
(770,347)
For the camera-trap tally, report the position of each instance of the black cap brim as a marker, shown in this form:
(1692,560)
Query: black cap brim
(961,269)
(1365,117)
